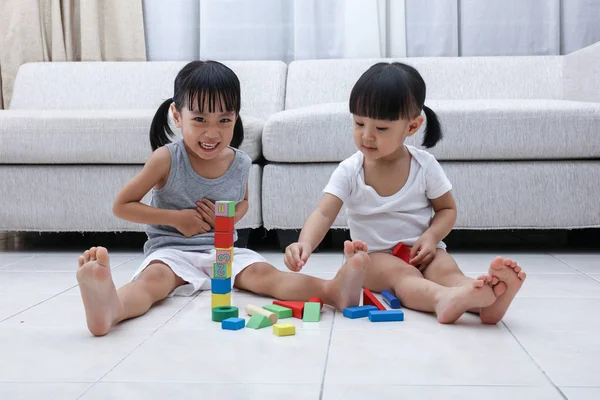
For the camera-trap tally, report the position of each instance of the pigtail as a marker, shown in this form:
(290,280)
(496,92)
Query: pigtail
(160,131)
(433,129)
(238,134)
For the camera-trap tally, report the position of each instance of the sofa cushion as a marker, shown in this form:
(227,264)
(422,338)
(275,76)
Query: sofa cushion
(448,78)
(136,85)
(89,136)
(474,130)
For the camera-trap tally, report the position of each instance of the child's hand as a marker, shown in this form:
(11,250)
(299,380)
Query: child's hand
(423,252)
(207,209)
(190,223)
(296,255)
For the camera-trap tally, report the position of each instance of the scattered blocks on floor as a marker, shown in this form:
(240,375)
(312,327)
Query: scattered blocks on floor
(402,252)
(284,329)
(251,309)
(385,316)
(358,312)
(390,299)
(316,300)
(221,313)
(220,286)
(312,312)
(258,321)
(369,299)
(281,312)
(225,208)
(219,300)
(233,324)
(297,307)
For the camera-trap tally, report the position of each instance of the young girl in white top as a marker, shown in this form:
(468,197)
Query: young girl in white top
(395,193)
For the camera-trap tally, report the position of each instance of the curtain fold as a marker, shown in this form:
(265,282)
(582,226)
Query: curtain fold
(67,30)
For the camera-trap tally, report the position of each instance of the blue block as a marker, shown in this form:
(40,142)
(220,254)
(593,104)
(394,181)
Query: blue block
(390,299)
(233,324)
(387,315)
(358,312)
(221,286)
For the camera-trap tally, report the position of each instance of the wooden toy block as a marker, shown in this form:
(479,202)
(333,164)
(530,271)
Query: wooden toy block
(282,312)
(223,240)
(225,208)
(297,307)
(385,316)
(258,321)
(284,329)
(402,252)
(220,286)
(221,271)
(390,299)
(224,255)
(251,309)
(312,312)
(316,300)
(219,300)
(358,312)
(369,299)
(233,324)
(224,224)
(223,312)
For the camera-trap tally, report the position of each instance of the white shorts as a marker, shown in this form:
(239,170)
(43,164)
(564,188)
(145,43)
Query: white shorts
(196,267)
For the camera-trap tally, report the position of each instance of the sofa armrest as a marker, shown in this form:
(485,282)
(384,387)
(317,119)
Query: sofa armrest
(581,75)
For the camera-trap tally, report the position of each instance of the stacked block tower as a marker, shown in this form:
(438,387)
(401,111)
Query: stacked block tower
(224,231)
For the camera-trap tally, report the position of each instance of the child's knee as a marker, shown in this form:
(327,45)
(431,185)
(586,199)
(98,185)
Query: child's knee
(157,273)
(259,270)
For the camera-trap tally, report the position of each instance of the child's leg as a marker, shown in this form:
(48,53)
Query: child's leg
(444,270)
(104,306)
(342,291)
(409,285)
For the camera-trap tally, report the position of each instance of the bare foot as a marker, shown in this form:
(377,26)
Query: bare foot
(457,300)
(100,300)
(511,278)
(345,289)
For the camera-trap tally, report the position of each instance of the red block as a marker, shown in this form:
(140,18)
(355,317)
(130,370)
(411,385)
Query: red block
(296,306)
(224,224)
(316,300)
(402,252)
(369,299)
(223,240)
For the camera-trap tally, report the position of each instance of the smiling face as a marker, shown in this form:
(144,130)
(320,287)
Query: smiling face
(380,139)
(205,133)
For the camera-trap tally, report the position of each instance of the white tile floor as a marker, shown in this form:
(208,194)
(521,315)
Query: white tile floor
(548,346)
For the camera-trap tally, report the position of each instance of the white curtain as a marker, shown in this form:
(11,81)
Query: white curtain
(307,29)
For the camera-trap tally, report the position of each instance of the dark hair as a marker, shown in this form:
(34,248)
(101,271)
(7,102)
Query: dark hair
(213,86)
(391,91)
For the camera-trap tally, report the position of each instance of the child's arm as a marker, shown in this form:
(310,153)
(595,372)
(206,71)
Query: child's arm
(241,208)
(314,230)
(207,209)
(128,204)
(441,225)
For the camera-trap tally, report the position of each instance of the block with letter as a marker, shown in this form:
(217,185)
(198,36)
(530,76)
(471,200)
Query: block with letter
(225,208)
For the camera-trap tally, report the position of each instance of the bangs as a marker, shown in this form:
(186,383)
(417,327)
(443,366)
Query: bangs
(383,93)
(212,88)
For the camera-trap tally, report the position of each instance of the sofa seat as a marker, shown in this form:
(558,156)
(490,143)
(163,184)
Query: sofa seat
(477,130)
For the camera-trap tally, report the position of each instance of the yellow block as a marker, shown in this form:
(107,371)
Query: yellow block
(219,300)
(221,270)
(284,329)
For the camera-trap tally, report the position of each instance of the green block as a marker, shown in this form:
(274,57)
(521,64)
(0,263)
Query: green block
(258,321)
(282,312)
(312,312)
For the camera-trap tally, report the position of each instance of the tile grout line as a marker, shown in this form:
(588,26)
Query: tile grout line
(138,346)
(322,388)
(535,362)
(575,268)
